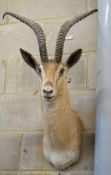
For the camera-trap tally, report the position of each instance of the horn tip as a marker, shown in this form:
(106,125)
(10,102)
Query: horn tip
(96,10)
(3,16)
(6,13)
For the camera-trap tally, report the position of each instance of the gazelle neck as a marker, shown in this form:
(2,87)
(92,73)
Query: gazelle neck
(57,118)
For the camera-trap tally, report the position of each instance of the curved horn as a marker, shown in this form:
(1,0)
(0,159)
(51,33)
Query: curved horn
(38,32)
(62,34)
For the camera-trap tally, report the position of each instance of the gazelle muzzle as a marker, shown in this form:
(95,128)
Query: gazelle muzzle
(48,90)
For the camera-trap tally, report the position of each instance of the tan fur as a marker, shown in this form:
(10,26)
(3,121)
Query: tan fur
(62,129)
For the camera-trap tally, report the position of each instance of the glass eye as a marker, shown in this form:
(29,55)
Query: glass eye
(39,71)
(61,72)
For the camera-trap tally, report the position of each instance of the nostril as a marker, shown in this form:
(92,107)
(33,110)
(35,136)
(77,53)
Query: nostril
(48,92)
(51,91)
(44,91)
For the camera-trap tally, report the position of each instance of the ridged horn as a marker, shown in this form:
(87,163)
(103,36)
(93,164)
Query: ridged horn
(38,32)
(64,30)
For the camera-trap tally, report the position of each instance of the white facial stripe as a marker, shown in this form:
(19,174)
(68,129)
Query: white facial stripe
(58,70)
(43,71)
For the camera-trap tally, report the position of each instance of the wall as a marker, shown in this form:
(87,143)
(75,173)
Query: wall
(20,117)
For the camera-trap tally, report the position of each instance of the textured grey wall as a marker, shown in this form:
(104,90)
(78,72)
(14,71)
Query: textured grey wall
(20,118)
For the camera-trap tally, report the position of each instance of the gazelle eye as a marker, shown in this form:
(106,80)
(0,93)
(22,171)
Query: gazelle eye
(61,72)
(39,71)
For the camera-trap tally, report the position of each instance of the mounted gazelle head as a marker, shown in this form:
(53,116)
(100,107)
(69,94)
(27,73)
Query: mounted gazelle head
(51,72)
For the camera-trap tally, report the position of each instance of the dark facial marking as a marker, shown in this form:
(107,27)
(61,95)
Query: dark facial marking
(61,72)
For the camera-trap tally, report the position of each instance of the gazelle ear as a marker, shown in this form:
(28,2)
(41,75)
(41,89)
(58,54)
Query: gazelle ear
(73,58)
(29,59)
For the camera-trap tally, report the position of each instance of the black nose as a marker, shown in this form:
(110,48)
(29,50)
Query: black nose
(48,92)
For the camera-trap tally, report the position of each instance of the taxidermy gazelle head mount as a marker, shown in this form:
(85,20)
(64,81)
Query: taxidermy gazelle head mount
(51,72)
(62,127)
